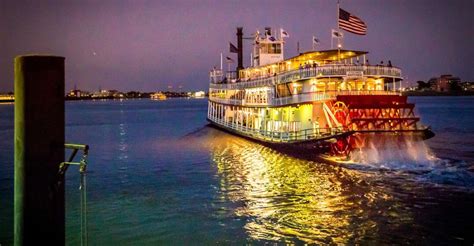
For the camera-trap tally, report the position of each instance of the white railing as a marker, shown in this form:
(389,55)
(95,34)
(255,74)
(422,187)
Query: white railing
(227,101)
(301,98)
(280,136)
(364,92)
(316,72)
(304,97)
(215,76)
(258,82)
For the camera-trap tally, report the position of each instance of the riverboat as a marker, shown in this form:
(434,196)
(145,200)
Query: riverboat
(324,100)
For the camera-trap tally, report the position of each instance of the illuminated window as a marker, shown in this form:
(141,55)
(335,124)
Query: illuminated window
(270,48)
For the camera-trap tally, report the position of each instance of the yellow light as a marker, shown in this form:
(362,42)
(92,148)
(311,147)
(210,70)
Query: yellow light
(320,197)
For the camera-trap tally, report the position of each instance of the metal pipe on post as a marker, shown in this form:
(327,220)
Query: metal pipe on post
(39,212)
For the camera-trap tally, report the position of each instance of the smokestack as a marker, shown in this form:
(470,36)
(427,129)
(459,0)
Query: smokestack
(240,50)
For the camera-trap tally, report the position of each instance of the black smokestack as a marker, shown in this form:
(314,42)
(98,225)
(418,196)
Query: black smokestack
(240,51)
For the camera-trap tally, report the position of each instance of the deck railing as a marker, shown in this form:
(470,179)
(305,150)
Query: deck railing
(316,72)
(281,136)
(227,101)
(300,98)
(303,98)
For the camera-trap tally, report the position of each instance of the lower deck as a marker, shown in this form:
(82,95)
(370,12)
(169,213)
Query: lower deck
(317,120)
(279,136)
(282,124)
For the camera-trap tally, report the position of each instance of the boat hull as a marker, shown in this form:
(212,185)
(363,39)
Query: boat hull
(340,144)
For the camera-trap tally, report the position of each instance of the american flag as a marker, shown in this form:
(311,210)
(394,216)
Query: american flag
(351,23)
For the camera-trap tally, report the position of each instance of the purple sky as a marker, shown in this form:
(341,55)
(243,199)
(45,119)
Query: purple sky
(148,45)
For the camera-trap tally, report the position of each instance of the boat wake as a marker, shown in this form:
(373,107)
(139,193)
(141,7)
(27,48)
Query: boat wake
(386,155)
(408,156)
(396,153)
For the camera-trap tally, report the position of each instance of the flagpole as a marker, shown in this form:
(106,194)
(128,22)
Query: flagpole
(338,29)
(332,40)
(338,32)
(221,61)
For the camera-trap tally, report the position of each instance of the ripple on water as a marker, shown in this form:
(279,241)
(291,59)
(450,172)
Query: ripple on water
(282,198)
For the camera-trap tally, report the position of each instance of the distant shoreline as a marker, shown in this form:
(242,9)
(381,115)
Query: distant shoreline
(110,99)
(405,93)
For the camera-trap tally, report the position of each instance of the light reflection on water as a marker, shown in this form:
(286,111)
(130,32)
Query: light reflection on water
(286,199)
(394,152)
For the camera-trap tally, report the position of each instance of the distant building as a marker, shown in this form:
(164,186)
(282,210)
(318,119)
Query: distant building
(77,94)
(108,94)
(133,94)
(411,88)
(445,83)
(467,86)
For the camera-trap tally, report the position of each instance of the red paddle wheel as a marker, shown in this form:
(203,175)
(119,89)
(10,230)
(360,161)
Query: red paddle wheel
(379,112)
(341,112)
(370,113)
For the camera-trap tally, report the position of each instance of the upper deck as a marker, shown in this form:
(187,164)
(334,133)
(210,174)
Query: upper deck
(308,77)
(324,71)
(314,64)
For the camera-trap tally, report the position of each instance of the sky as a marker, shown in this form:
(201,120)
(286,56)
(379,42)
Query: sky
(149,45)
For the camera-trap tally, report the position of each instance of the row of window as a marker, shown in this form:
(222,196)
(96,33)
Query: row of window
(270,49)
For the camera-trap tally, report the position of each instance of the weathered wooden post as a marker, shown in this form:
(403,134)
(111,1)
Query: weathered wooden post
(39,149)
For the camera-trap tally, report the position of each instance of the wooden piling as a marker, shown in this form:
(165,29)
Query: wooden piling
(39,213)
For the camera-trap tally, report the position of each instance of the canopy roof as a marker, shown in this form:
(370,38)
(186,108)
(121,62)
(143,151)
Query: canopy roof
(326,55)
(320,57)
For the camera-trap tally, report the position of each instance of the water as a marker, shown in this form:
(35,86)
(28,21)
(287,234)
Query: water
(158,175)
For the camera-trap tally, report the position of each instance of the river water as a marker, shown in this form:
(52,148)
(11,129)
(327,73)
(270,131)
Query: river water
(159,175)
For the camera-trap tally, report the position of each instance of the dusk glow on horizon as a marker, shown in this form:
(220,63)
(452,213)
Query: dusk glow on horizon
(150,45)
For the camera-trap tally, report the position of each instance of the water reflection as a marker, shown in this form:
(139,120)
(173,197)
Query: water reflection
(287,199)
(123,150)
